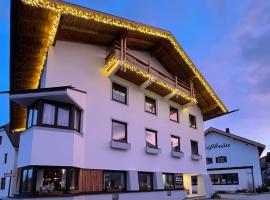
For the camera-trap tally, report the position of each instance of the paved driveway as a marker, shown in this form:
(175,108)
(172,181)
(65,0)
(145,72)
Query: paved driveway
(246,196)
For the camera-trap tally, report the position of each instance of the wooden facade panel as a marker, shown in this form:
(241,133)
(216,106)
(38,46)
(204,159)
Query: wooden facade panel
(90,180)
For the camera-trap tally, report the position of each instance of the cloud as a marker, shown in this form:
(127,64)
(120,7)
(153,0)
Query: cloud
(245,59)
(253,37)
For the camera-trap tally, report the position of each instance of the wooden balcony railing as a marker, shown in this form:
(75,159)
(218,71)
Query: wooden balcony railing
(146,67)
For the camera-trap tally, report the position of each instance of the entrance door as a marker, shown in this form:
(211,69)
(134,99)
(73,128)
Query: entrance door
(194,183)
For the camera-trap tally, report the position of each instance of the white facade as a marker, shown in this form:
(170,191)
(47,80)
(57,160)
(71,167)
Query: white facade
(242,158)
(6,147)
(81,66)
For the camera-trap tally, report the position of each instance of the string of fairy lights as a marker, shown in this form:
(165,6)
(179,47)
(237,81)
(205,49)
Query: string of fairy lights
(113,62)
(61,8)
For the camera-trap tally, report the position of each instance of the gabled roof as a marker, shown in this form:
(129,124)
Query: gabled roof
(37,24)
(260,146)
(14,138)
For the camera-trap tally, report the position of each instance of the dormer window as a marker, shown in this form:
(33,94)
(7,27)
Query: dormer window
(54,114)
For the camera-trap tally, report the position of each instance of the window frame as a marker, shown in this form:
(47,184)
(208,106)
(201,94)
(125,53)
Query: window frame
(126,95)
(1,139)
(193,141)
(126,131)
(219,177)
(177,111)
(27,179)
(179,143)
(5,158)
(152,179)
(115,171)
(150,98)
(195,120)
(209,160)
(35,169)
(221,159)
(3,183)
(169,188)
(40,109)
(156,139)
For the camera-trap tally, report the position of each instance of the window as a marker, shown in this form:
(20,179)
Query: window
(3,183)
(63,116)
(175,143)
(194,147)
(150,105)
(145,181)
(26,180)
(77,119)
(53,180)
(174,114)
(32,116)
(1,138)
(209,160)
(119,131)
(221,159)
(151,138)
(178,181)
(60,115)
(119,93)
(114,181)
(48,114)
(168,180)
(50,180)
(192,121)
(224,179)
(5,158)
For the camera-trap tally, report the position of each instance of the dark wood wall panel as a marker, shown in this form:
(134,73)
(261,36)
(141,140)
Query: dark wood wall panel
(91,180)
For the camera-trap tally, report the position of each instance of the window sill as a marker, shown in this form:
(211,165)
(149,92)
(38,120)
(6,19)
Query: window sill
(150,150)
(175,121)
(152,113)
(120,145)
(177,154)
(120,102)
(196,157)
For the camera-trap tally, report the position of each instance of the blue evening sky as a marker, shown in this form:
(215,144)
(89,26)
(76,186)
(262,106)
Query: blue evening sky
(228,40)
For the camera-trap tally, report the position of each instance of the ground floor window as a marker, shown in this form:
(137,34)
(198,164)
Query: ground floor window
(168,181)
(178,181)
(26,180)
(114,181)
(145,181)
(49,180)
(225,179)
(3,183)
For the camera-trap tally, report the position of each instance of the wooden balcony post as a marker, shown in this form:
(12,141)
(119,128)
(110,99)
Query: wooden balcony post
(175,81)
(121,48)
(191,89)
(124,50)
(148,67)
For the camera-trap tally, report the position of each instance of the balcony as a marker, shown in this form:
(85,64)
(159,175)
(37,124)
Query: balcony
(136,70)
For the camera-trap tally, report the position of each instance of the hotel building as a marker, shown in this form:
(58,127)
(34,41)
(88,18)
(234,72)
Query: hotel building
(106,108)
(233,162)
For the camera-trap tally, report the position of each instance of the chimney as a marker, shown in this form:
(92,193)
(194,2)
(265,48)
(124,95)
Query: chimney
(227,130)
